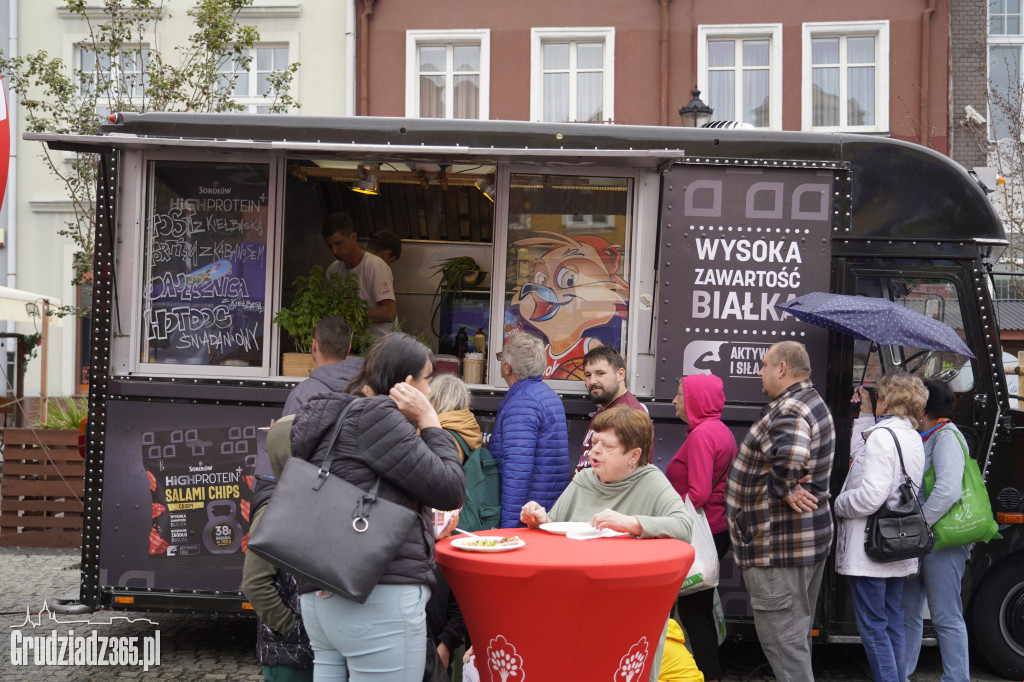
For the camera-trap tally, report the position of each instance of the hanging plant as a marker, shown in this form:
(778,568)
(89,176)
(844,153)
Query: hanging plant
(32,343)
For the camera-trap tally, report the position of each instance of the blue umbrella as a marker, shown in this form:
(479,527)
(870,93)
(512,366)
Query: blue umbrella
(875,319)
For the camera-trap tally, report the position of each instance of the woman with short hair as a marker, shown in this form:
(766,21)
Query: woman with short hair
(450,397)
(621,490)
(874,479)
(530,440)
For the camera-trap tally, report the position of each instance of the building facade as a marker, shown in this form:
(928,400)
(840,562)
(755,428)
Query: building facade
(875,67)
(35,257)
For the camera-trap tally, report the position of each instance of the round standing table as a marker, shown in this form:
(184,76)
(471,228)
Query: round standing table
(561,609)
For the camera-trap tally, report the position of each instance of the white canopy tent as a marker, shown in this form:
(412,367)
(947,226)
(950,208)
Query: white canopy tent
(24,306)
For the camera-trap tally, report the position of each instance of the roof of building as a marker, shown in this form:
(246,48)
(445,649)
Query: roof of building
(1010,315)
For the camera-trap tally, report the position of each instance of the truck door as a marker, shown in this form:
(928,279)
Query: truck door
(946,292)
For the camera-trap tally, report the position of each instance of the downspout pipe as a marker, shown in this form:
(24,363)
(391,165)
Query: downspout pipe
(350,58)
(364,58)
(12,164)
(12,180)
(926,41)
(663,41)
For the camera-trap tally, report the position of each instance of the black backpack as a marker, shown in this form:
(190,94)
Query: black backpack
(482,510)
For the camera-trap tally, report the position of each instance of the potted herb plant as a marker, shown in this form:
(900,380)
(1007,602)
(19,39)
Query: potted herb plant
(316,297)
(456,273)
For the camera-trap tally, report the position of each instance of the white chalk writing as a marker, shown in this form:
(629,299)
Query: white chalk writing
(182,287)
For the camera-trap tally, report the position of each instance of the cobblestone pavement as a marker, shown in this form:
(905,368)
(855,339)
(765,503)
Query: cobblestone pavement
(200,649)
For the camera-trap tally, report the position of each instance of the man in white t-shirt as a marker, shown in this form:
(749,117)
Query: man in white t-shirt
(376,283)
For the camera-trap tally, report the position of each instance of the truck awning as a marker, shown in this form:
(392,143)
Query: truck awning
(99,144)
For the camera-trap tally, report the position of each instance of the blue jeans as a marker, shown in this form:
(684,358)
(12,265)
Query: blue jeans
(939,581)
(878,607)
(383,639)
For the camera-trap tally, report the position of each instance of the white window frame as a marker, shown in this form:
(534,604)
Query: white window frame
(130,356)
(469,36)
(539,36)
(846,29)
(268,40)
(773,32)
(999,40)
(73,45)
(639,269)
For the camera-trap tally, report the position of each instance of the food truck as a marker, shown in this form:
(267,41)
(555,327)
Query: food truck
(674,245)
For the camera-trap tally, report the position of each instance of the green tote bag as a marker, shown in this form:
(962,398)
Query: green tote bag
(970,519)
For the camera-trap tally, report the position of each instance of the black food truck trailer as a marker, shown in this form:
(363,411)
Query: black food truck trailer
(672,244)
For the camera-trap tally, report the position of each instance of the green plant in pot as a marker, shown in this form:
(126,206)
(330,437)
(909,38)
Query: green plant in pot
(316,297)
(456,273)
(65,412)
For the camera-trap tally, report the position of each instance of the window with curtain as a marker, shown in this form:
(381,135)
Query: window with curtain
(573,74)
(843,80)
(447,74)
(740,69)
(449,80)
(573,78)
(1005,42)
(846,76)
(739,80)
(253,87)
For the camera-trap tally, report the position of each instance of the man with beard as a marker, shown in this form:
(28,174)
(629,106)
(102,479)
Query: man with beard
(605,373)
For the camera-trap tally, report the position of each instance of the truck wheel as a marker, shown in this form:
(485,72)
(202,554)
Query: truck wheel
(997,619)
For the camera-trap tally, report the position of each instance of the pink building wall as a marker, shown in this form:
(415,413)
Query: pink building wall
(637,52)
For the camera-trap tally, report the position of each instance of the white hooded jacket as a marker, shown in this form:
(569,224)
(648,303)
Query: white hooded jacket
(874,479)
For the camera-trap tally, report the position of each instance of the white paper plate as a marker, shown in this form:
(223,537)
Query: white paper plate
(462,543)
(591,533)
(563,527)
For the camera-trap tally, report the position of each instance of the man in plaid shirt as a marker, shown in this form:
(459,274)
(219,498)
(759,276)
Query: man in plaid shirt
(777,503)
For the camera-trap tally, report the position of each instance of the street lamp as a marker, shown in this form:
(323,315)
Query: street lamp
(695,113)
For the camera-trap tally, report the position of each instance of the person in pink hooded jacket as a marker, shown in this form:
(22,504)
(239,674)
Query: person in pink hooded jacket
(699,470)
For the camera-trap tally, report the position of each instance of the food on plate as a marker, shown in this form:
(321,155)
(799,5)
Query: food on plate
(492,542)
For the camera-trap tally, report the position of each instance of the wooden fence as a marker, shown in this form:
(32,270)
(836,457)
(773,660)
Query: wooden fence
(42,485)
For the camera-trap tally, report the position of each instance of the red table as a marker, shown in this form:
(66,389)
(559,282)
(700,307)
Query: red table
(561,609)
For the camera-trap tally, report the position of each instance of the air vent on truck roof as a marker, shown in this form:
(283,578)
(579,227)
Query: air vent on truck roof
(728,124)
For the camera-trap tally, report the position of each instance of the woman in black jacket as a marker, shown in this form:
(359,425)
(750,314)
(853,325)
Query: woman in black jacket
(391,433)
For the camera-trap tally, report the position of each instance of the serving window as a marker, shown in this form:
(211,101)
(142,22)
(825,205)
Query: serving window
(222,243)
(206,272)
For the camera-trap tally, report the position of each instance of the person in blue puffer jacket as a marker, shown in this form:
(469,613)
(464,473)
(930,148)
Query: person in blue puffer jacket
(530,440)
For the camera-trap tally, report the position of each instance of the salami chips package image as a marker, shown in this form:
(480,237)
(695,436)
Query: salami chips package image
(201,482)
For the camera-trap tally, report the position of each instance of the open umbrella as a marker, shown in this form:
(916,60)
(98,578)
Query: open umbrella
(875,319)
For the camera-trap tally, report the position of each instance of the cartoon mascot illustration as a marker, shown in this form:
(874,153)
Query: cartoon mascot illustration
(573,287)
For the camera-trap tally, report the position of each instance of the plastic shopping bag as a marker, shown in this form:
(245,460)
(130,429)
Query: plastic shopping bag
(719,614)
(703,573)
(970,519)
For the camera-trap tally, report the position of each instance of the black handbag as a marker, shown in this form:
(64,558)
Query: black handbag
(900,532)
(306,531)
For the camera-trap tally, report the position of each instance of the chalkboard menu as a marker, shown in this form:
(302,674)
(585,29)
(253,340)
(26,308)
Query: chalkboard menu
(206,263)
